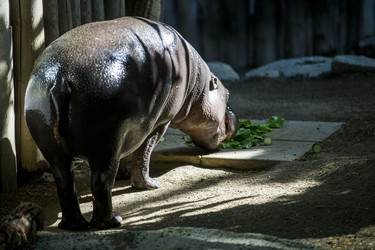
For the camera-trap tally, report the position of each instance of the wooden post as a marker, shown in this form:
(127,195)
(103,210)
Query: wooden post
(250,36)
(266,37)
(65,16)
(28,43)
(122,8)
(8,159)
(112,9)
(233,46)
(325,23)
(211,27)
(86,14)
(51,20)
(187,15)
(343,27)
(295,29)
(97,10)
(76,12)
(354,14)
(367,19)
(171,13)
(151,9)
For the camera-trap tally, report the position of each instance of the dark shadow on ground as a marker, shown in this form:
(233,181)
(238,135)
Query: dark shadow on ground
(341,204)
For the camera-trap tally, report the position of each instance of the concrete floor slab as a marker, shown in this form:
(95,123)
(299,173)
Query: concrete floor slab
(305,131)
(168,238)
(290,142)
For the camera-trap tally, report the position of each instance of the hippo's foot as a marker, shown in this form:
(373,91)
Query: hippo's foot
(75,224)
(97,223)
(146,183)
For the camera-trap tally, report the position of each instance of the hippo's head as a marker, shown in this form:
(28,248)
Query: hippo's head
(211,120)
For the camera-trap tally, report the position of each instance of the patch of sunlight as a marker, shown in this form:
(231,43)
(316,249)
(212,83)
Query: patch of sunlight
(4,65)
(210,200)
(240,154)
(229,239)
(152,212)
(345,192)
(86,207)
(215,193)
(335,165)
(120,189)
(38,42)
(275,192)
(85,196)
(56,223)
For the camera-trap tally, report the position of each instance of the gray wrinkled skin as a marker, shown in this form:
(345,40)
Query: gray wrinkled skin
(109,89)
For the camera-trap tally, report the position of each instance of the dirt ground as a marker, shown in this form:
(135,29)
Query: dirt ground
(325,199)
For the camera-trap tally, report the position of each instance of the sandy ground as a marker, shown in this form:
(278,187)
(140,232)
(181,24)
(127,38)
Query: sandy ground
(325,199)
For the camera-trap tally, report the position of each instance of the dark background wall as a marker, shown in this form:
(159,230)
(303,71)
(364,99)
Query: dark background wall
(249,33)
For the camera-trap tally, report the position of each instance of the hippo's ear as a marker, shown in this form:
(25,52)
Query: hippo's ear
(213,83)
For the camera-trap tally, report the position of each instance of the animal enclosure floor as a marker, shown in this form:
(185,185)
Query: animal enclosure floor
(289,143)
(324,200)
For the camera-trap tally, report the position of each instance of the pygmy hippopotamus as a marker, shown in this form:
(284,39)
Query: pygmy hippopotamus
(109,89)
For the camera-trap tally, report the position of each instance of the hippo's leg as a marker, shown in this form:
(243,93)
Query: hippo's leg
(72,218)
(139,172)
(61,166)
(103,173)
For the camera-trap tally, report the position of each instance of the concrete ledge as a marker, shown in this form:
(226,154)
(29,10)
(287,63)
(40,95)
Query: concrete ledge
(289,143)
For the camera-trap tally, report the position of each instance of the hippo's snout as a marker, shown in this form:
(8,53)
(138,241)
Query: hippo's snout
(231,123)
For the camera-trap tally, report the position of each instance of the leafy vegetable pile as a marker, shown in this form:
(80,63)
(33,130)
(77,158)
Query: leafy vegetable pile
(250,134)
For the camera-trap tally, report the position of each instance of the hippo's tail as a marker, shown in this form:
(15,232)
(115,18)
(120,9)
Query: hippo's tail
(60,94)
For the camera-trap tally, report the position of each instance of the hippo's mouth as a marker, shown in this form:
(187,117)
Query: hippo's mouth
(227,132)
(231,123)
(210,137)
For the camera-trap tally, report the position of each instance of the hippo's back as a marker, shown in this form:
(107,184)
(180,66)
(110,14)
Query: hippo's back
(134,58)
(107,56)
(132,73)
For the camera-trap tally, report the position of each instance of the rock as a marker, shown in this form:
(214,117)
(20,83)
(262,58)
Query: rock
(168,238)
(353,64)
(223,71)
(304,67)
(366,47)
